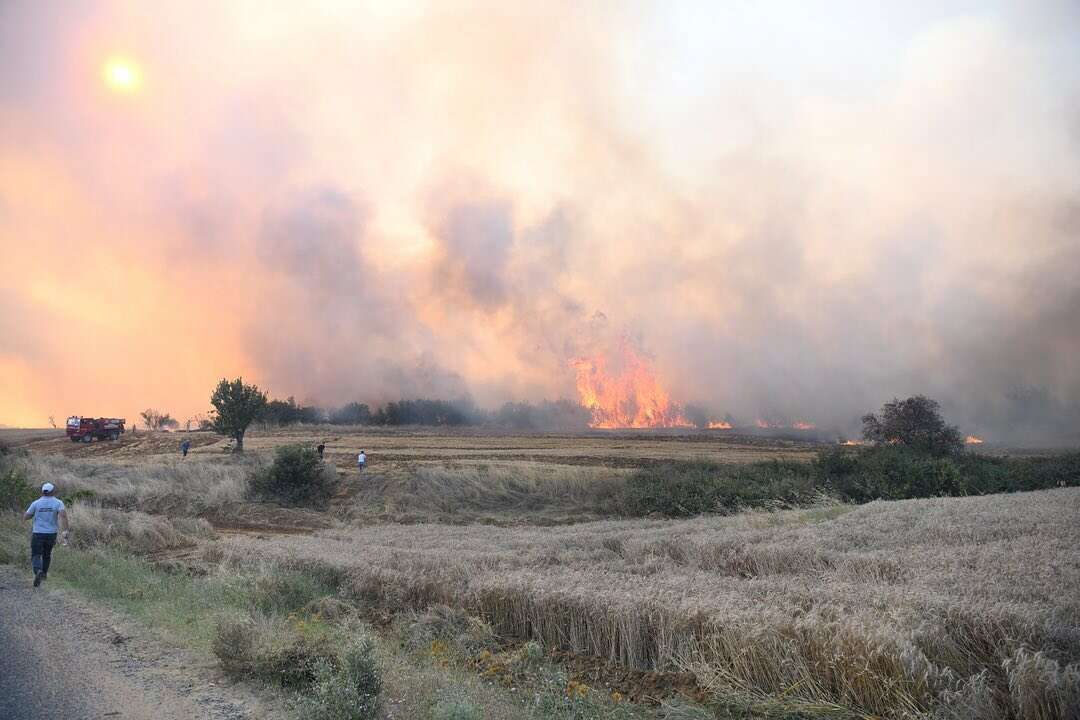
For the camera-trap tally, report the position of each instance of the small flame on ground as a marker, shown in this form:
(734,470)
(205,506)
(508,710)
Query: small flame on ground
(973,440)
(719,425)
(628,395)
(853,442)
(803,425)
(763,424)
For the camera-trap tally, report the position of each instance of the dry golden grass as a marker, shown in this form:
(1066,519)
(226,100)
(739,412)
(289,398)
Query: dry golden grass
(891,609)
(164,485)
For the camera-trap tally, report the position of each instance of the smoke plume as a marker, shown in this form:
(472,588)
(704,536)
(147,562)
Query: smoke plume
(794,215)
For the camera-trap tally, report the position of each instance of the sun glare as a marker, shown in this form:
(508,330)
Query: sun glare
(122,75)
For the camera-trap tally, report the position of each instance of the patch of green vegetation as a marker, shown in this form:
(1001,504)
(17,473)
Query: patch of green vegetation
(183,607)
(16,489)
(456,706)
(287,591)
(859,475)
(296,477)
(680,489)
(896,472)
(348,689)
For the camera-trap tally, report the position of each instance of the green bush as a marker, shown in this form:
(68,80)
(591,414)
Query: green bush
(455,706)
(455,628)
(234,646)
(296,663)
(284,658)
(296,477)
(1040,473)
(893,472)
(679,489)
(887,472)
(347,690)
(286,591)
(16,490)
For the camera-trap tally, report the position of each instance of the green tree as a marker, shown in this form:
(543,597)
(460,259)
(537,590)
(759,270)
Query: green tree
(236,406)
(915,423)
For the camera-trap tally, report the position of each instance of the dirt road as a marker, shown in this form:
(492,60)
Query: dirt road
(60,658)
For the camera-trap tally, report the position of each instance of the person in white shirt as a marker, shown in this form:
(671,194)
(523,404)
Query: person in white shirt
(49,514)
(361,461)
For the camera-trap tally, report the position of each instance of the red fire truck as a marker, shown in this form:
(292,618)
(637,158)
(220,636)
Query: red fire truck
(83,429)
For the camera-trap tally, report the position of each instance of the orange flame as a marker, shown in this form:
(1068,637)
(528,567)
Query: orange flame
(719,425)
(763,424)
(803,425)
(627,396)
(973,440)
(853,442)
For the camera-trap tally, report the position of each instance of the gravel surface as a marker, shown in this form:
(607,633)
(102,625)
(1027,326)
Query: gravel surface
(62,658)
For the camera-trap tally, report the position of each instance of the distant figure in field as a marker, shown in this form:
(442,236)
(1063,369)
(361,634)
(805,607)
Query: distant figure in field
(320,448)
(48,512)
(361,461)
(185,445)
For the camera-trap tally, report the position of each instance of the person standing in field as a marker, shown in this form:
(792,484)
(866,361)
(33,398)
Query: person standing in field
(48,513)
(361,461)
(185,445)
(320,448)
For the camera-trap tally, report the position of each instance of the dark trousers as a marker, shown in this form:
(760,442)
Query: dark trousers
(41,545)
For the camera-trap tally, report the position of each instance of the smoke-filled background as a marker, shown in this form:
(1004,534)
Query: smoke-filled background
(798,210)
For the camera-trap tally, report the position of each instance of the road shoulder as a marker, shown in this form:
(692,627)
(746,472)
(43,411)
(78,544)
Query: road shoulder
(61,656)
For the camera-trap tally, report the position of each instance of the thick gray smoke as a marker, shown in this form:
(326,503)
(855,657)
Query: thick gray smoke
(797,215)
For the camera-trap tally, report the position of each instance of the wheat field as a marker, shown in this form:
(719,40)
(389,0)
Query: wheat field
(968,606)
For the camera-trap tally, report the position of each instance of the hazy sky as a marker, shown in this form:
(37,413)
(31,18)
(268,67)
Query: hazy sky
(799,210)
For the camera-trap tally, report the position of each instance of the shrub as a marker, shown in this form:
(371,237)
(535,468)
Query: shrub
(16,492)
(287,591)
(455,706)
(348,690)
(1040,473)
(451,627)
(889,472)
(679,489)
(234,646)
(894,472)
(271,652)
(296,663)
(296,477)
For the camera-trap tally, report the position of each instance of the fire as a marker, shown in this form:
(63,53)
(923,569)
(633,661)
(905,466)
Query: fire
(803,425)
(973,440)
(763,424)
(853,442)
(719,425)
(627,393)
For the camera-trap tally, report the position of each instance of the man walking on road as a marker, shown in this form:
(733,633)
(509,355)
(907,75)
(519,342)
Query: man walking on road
(48,512)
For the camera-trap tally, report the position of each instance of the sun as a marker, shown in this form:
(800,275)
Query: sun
(121,75)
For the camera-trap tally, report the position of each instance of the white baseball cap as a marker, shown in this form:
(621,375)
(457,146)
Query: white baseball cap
(47,488)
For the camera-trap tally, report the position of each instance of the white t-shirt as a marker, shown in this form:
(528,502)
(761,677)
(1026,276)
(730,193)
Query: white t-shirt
(361,458)
(46,511)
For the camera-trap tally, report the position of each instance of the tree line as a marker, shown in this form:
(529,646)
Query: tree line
(237,405)
(560,414)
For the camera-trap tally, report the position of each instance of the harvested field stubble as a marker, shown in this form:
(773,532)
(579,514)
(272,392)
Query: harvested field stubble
(890,609)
